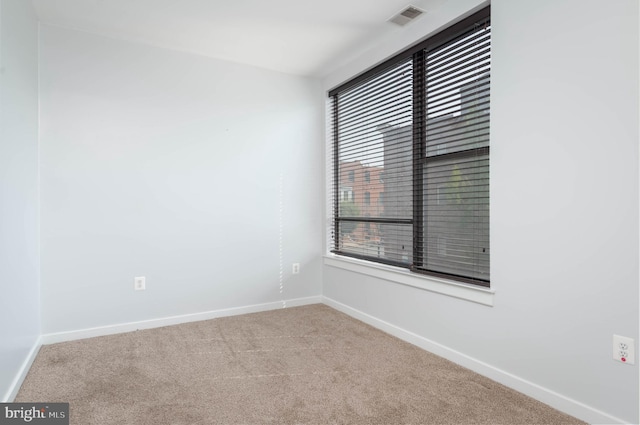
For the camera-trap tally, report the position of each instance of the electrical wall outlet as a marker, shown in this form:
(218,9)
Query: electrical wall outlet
(139,283)
(623,349)
(296,268)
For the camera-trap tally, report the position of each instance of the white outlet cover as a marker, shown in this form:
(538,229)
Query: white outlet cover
(624,349)
(139,283)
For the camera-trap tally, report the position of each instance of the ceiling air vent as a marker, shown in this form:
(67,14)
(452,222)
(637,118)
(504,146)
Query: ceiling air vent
(407,15)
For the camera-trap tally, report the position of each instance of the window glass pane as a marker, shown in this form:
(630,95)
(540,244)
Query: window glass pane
(458,95)
(456,205)
(387,242)
(374,144)
(375,141)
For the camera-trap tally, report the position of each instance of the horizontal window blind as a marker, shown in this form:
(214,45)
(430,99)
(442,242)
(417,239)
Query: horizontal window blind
(372,143)
(410,157)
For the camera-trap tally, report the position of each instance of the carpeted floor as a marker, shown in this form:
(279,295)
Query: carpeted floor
(301,365)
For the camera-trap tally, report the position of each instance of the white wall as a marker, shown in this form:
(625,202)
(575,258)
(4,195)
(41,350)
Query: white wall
(19,286)
(201,175)
(564,211)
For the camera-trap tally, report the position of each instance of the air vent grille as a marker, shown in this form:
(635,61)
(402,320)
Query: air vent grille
(411,12)
(407,15)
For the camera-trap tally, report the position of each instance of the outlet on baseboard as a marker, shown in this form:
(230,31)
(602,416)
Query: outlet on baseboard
(295,269)
(624,349)
(139,283)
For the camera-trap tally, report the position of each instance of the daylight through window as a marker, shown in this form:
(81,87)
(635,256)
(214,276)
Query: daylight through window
(410,154)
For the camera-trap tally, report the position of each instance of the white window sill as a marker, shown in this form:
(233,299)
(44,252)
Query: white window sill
(402,276)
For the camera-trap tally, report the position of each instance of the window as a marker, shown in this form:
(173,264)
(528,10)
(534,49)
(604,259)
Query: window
(367,176)
(346,194)
(421,121)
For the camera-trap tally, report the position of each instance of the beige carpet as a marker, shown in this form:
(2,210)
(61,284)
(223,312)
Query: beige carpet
(302,365)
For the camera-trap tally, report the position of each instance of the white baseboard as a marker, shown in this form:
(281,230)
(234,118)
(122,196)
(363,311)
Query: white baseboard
(533,390)
(547,396)
(53,338)
(12,392)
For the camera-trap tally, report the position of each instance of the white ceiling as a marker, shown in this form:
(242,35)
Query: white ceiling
(302,37)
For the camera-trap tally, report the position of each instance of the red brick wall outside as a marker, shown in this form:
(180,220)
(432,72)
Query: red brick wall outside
(358,180)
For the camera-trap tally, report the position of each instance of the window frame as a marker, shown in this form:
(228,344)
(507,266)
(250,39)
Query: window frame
(417,54)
